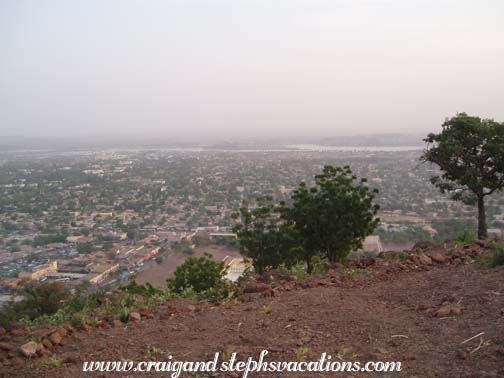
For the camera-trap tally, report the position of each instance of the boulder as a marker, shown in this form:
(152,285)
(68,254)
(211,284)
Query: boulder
(145,313)
(55,338)
(424,259)
(168,313)
(47,343)
(135,316)
(70,329)
(29,349)
(40,348)
(438,257)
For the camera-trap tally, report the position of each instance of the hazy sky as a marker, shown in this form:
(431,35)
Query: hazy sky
(246,67)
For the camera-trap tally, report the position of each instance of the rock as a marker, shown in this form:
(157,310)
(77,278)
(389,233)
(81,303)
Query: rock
(40,348)
(424,259)
(168,313)
(2,331)
(70,329)
(191,308)
(63,332)
(55,338)
(7,347)
(47,343)
(438,257)
(443,312)
(103,324)
(29,349)
(135,316)
(45,353)
(145,313)
(402,266)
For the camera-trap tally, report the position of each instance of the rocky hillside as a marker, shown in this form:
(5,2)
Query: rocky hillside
(422,308)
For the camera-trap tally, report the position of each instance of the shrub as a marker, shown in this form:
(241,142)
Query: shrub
(199,273)
(40,299)
(465,237)
(497,257)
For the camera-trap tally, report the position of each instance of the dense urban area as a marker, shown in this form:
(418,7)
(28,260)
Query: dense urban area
(90,218)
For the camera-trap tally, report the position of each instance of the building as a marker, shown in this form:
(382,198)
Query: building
(40,271)
(101,272)
(235,267)
(372,244)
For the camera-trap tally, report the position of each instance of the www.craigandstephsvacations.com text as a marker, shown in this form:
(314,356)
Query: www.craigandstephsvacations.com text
(324,364)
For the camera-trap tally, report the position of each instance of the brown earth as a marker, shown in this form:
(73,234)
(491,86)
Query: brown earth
(419,313)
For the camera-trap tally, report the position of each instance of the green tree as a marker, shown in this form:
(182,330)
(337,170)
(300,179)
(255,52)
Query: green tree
(85,248)
(470,153)
(333,217)
(262,237)
(199,273)
(39,299)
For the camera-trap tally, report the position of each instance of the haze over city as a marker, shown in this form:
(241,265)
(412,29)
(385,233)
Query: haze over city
(231,68)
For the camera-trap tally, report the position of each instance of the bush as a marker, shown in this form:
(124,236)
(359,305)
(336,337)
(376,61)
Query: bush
(497,257)
(328,221)
(465,237)
(40,299)
(201,274)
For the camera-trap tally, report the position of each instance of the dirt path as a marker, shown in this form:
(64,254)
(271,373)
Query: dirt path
(358,323)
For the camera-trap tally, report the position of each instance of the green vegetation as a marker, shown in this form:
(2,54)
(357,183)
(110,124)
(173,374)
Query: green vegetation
(266,309)
(327,220)
(470,153)
(495,258)
(40,299)
(51,303)
(301,353)
(199,273)
(465,237)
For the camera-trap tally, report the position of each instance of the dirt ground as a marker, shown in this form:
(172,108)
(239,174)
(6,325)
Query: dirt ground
(378,317)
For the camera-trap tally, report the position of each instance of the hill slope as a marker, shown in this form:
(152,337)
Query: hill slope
(387,312)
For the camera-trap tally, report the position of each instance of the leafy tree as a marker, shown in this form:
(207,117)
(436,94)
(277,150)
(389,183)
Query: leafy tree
(328,220)
(470,153)
(333,217)
(199,273)
(261,236)
(39,299)
(131,234)
(85,248)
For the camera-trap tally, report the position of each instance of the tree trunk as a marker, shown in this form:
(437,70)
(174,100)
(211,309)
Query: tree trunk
(482,226)
(309,266)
